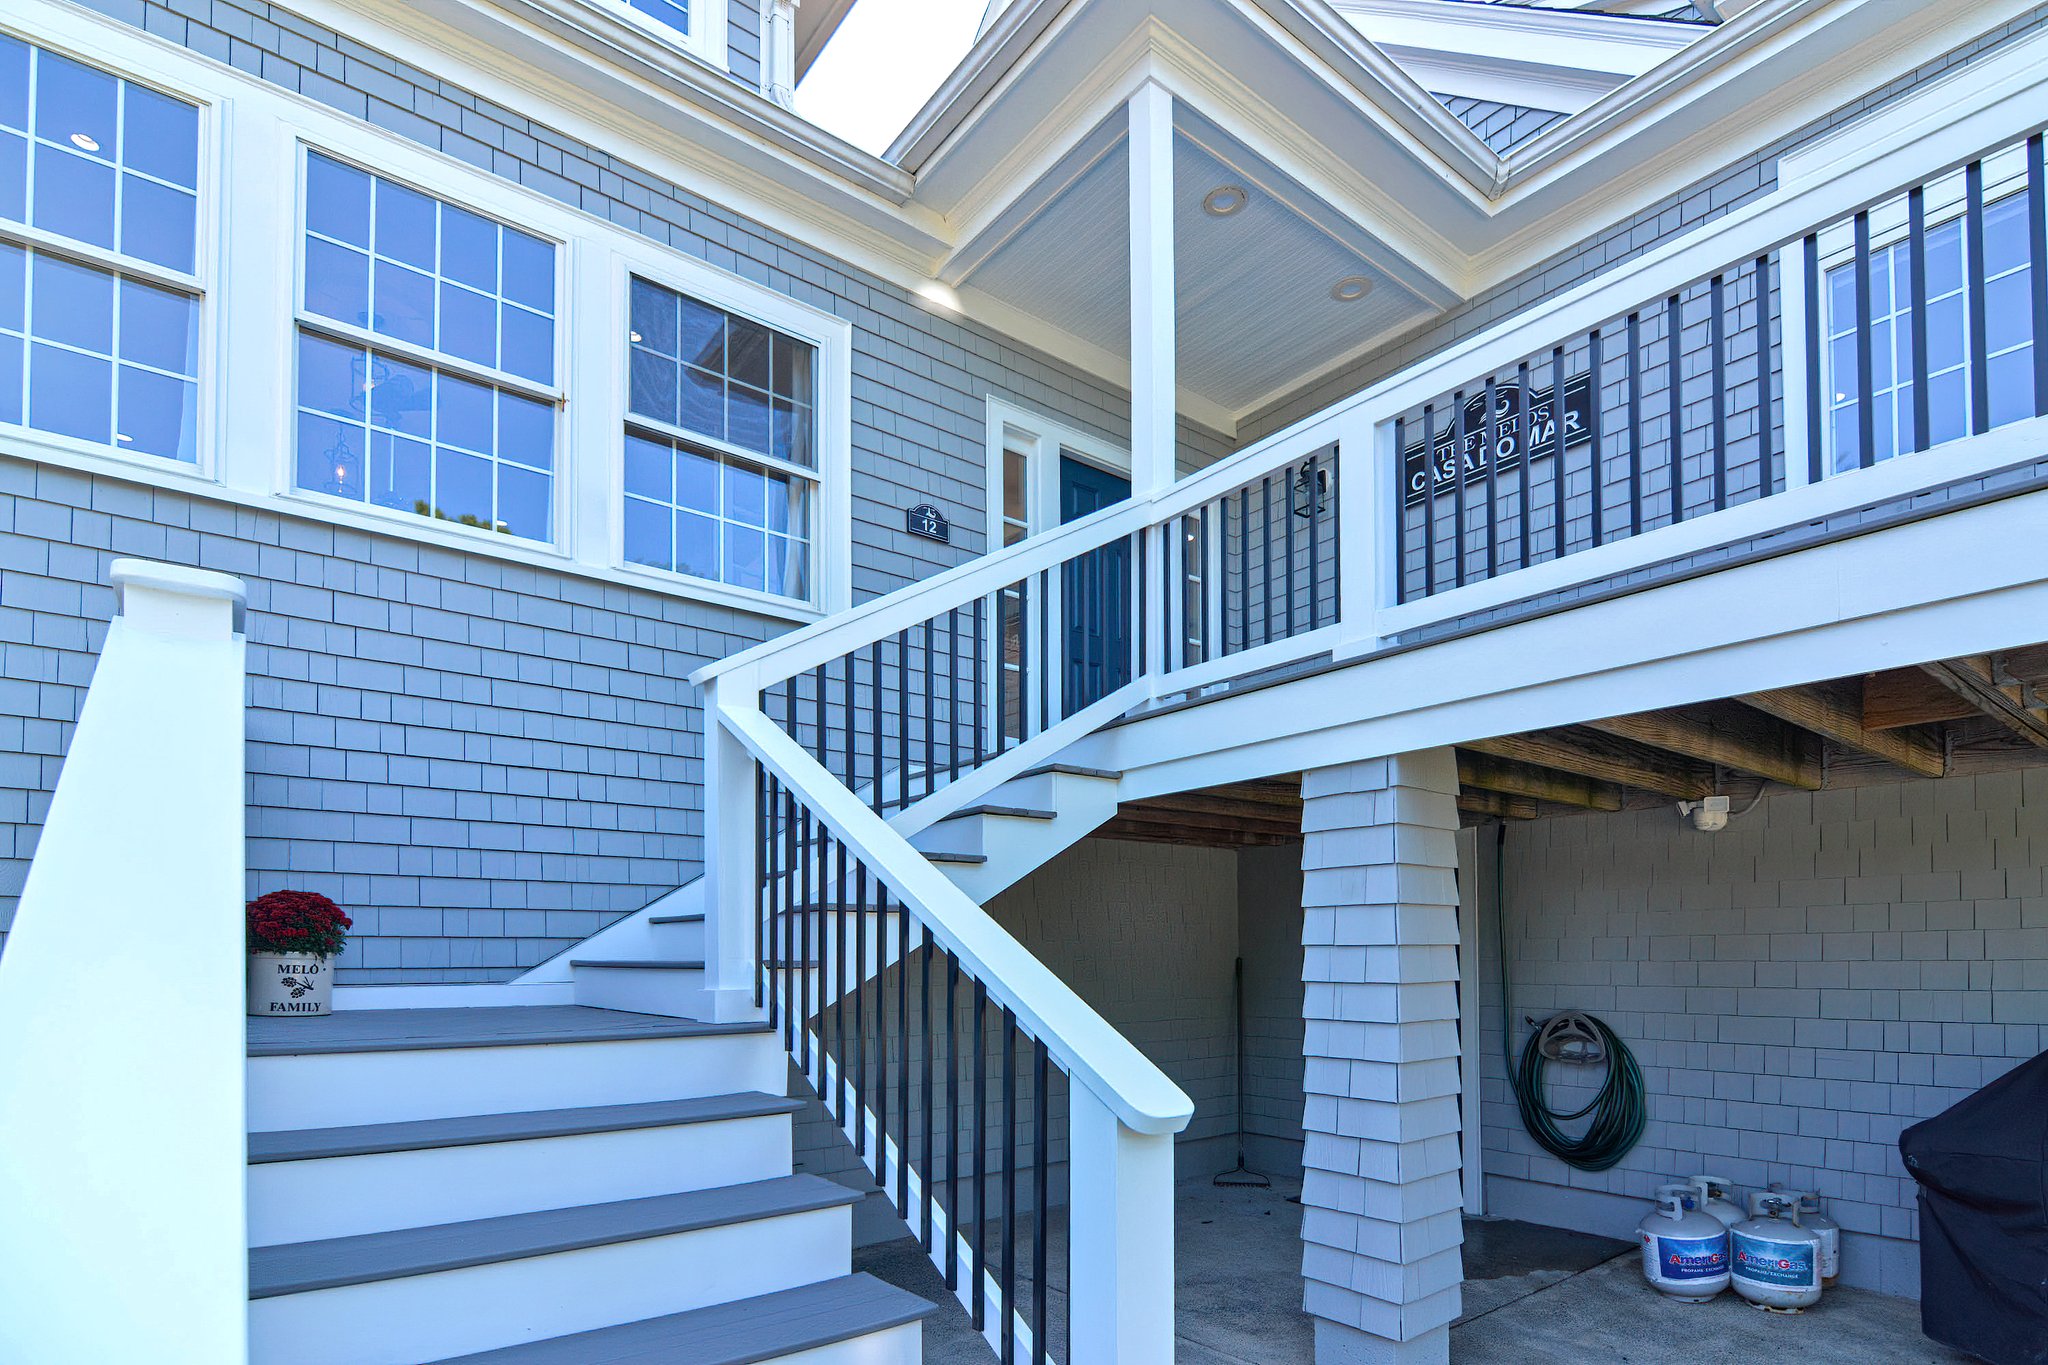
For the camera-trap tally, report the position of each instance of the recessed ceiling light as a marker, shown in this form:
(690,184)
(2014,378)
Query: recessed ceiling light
(1351,289)
(85,142)
(1224,200)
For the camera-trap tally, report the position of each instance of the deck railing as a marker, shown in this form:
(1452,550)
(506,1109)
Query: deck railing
(1696,399)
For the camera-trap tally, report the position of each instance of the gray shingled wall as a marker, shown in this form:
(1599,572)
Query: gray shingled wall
(485,762)
(1500,126)
(743,45)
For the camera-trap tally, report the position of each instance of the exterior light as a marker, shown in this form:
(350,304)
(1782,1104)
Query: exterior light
(1224,200)
(1351,289)
(1309,494)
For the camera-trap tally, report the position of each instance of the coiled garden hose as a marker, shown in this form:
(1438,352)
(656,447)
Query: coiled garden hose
(1619,1109)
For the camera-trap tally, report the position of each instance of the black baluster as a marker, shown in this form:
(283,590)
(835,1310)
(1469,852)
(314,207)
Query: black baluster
(1916,284)
(1674,341)
(1287,541)
(2037,257)
(764,880)
(1208,650)
(881,1091)
(953,694)
(1557,424)
(1525,440)
(931,747)
(1401,506)
(1980,351)
(1244,559)
(860,1004)
(952,1121)
(852,711)
(902,1049)
(902,718)
(931,1104)
(824,749)
(980,1167)
(1266,550)
(875,719)
(1866,388)
(801,965)
(1717,298)
(1009,1303)
(1140,544)
(1428,500)
(1041,1199)
(977,707)
(1458,482)
(1634,342)
(1048,651)
(1491,433)
(1815,326)
(1596,416)
(834,944)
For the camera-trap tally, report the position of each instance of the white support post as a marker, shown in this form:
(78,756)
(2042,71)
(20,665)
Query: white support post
(1368,500)
(125,1234)
(1792,325)
(1120,1238)
(731,871)
(1153,365)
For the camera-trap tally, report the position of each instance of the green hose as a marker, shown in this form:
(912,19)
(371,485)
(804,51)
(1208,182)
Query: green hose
(1619,1109)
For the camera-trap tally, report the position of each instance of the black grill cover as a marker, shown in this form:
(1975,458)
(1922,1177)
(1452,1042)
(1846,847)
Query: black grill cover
(1983,1172)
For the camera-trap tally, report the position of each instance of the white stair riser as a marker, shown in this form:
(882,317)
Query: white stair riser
(683,941)
(676,992)
(427,1317)
(963,834)
(341,1089)
(303,1201)
(897,1346)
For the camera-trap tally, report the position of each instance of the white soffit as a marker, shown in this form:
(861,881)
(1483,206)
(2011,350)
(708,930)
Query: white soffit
(1256,309)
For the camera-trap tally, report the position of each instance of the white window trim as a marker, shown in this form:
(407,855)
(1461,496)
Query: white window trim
(131,60)
(708,39)
(247,332)
(1044,439)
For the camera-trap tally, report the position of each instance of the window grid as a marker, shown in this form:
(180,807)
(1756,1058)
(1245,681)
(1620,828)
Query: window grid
(719,375)
(99,313)
(1950,405)
(708,515)
(397,410)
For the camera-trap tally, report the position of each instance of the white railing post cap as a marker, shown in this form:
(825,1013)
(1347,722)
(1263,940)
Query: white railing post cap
(174,599)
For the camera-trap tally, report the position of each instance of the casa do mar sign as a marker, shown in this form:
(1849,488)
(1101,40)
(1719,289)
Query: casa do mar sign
(1508,445)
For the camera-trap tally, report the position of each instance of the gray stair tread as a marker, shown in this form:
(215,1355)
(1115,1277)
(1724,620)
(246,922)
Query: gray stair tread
(475,1129)
(971,859)
(739,1333)
(697,918)
(1013,812)
(651,964)
(1073,770)
(298,1267)
(475,1026)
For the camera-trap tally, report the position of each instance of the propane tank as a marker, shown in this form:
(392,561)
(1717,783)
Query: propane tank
(1807,1207)
(1685,1252)
(1777,1262)
(1711,1193)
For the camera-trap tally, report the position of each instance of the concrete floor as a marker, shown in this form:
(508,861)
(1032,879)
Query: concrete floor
(1533,1296)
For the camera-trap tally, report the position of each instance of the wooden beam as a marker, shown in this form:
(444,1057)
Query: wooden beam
(1899,697)
(1598,756)
(1130,832)
(1974,681)
(1835,713)
(1498,805)
(1732,736)
(1194,820)
(2029,665)
(1483,771)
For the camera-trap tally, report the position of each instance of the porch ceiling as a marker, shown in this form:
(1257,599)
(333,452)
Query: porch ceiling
(1257,301)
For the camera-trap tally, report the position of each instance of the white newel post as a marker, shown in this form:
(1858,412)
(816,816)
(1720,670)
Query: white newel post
(1368,500)
(1120,1236)
(1154,398)
(731,874)
(123,1227)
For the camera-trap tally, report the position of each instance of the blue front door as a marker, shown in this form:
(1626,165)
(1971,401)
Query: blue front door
(1097,593)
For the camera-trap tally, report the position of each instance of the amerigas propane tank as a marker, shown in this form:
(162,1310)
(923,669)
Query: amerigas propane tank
(1777,1262)
(1685,1252)
(1813,1220)
(1711,1193)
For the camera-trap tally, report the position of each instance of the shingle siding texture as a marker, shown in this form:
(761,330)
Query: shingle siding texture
(485,762)
(1798,988)
(743,41)
(1500,126)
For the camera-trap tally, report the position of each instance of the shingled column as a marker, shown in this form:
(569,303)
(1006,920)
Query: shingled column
(1381,1203)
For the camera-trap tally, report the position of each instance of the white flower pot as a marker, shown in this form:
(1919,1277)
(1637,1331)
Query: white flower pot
(290,983)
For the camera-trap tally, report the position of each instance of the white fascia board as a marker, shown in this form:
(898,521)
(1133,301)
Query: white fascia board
(604,81)
(1566,40)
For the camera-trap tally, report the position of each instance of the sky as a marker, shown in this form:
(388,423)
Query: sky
(883,64)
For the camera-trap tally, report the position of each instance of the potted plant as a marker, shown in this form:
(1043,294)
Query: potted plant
(292,936)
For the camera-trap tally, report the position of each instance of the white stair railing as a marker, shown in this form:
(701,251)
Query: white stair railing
(122,1221)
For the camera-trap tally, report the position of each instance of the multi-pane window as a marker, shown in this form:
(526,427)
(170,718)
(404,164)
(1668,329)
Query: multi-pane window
(1016,525)
(426,356)
(721,463)
(99,296)
(674,13)
(2007,327)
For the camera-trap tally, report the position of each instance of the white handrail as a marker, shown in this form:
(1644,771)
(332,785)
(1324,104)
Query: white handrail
(123,1235)
(1080,1040)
